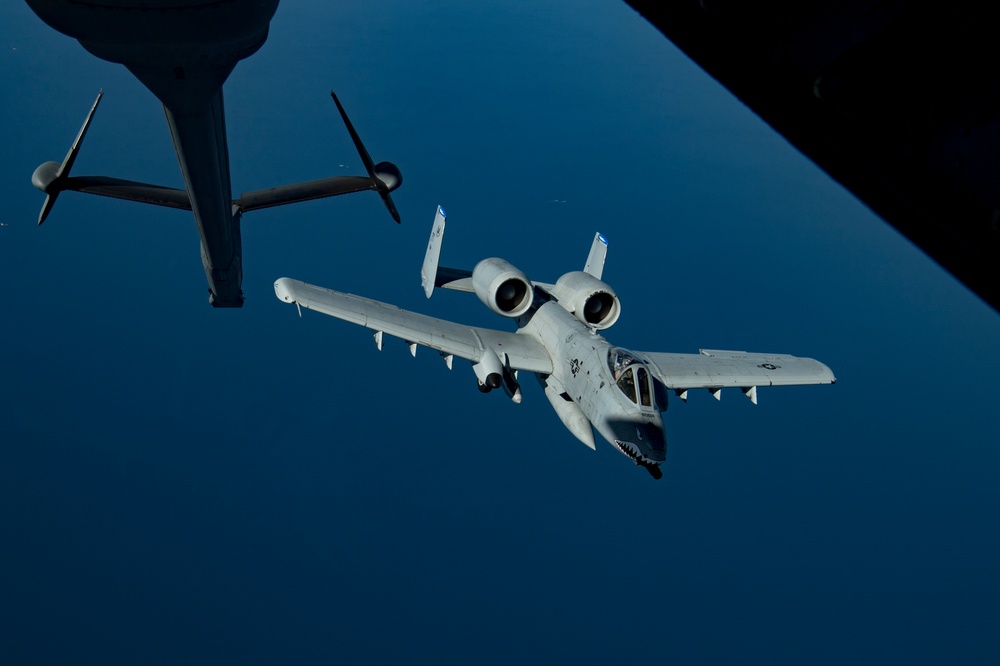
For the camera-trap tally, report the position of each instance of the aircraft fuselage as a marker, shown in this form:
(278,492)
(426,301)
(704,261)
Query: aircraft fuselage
(628,417)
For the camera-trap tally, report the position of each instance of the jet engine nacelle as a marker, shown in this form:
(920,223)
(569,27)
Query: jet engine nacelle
(591,300)
(503,288)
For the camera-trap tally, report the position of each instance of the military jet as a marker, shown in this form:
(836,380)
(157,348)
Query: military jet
(590,382)
(183,51)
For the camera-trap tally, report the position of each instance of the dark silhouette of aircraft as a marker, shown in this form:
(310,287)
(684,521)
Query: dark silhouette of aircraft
(899,102)
(183,51)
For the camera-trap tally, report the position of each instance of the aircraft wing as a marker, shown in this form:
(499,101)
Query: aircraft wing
(715,369)
(449,338)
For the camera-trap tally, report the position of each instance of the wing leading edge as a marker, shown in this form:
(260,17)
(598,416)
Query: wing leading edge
(449,338)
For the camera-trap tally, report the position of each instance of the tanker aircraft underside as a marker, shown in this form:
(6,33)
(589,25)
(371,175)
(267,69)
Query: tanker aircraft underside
(183,51)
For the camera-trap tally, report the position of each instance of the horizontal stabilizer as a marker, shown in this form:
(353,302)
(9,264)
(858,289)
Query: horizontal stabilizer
(254,200)
(454,278)
(313,189)
(51,177)
(384,176)
(130,190)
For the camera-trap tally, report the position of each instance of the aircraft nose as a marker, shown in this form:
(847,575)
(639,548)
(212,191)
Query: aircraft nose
(648,437)
(654,440)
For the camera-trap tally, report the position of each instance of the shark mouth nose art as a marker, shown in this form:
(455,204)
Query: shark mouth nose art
(633,452)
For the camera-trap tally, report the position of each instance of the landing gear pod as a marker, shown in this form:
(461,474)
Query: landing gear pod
(489,372)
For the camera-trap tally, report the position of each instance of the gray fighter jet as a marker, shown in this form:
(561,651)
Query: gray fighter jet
(183,51)
(591,383)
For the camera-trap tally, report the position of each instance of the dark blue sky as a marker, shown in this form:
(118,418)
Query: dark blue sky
(184,484)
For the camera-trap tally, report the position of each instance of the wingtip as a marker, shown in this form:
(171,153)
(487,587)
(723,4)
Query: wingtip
(282,289)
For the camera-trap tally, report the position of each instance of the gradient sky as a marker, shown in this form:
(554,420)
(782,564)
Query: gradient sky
(179,483)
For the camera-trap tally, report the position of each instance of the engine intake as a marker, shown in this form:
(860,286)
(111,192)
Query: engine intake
(502,287)
(591,300)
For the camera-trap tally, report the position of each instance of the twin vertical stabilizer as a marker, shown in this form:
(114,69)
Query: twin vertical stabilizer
(598,253)
(428,272)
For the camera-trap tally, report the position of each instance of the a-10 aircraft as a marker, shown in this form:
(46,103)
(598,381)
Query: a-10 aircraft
(591,383)
(183,51)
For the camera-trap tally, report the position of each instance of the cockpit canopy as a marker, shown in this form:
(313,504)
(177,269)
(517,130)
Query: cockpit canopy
(631,376)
